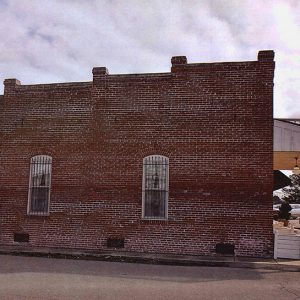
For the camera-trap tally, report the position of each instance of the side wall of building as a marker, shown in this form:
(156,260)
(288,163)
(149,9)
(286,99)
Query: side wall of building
(213,121)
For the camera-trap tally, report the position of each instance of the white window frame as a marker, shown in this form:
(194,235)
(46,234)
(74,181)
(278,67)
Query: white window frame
(31,182)
(155,157)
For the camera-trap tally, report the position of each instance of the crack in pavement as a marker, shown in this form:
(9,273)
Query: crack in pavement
(284,288)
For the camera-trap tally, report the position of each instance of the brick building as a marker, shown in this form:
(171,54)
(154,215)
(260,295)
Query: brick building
(175,162)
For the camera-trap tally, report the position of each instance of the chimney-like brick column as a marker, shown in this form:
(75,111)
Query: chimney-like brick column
(265,55)
(178,62)
(10,85)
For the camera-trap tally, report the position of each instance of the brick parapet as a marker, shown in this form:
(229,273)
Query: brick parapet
(54,86)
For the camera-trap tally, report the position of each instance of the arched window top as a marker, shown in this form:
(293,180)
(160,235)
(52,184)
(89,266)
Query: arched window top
(156,159)
(45,158)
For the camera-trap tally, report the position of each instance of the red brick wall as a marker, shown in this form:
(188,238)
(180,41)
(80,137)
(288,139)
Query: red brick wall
(213,121)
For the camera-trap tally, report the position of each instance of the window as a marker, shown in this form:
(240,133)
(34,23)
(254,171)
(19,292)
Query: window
(155,186)
(39,185)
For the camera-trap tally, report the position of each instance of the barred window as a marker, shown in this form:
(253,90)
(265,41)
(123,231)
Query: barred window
(155,186)
(39,185)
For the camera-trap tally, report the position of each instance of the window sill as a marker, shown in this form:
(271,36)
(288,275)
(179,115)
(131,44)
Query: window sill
(38,214)
(21,243)
(154,219)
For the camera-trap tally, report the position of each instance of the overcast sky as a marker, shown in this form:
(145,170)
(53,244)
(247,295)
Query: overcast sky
(44,41)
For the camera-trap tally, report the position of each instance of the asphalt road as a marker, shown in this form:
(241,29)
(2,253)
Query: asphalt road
(49,278)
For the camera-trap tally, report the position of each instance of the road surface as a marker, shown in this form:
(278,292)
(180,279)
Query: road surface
(50,278)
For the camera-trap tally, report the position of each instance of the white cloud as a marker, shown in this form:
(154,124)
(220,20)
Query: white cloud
(62,40)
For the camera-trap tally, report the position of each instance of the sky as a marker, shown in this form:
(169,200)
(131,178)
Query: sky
(45,41)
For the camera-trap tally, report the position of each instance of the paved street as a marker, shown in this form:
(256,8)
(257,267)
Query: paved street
(45,278)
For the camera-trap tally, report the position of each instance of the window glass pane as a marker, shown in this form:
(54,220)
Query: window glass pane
(155,203)
(39,199)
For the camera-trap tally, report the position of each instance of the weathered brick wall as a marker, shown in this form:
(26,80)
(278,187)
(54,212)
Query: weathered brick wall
(213,121)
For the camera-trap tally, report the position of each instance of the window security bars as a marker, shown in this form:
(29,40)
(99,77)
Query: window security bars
(155,186)
(39,185)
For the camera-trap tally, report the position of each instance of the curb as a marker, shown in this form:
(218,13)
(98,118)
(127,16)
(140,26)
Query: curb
(155,259)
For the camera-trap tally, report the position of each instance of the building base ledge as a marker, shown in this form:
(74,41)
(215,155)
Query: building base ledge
(155,258)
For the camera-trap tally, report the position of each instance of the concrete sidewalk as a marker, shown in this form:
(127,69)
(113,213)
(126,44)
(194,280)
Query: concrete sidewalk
(152,258)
